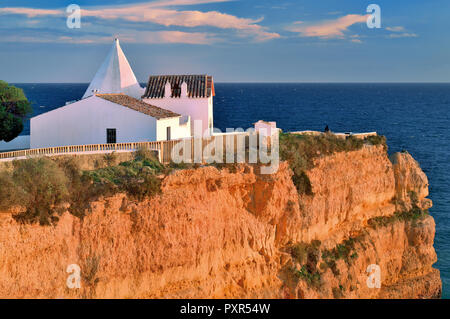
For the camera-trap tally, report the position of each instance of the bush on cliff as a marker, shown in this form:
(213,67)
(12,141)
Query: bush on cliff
(10,194)
(39,185)
(307,257)
(138,178)
(413,215)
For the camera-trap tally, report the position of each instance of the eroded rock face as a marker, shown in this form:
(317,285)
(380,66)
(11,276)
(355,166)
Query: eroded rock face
(227,234)
(410,180)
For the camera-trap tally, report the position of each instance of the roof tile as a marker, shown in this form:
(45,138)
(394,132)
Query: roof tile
(138,105)
(199,86)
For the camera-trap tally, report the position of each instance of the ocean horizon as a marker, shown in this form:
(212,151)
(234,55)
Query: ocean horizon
(413,117)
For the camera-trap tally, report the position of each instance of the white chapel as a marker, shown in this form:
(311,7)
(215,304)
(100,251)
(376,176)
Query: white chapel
(116,109)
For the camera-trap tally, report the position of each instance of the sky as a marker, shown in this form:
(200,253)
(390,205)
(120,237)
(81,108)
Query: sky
(233,40)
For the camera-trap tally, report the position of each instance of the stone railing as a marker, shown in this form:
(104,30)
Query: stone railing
(160,146)
(164,148)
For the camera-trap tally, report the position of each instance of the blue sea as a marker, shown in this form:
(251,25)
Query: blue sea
(413,117)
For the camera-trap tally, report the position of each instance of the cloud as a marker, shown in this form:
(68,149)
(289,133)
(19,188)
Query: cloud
(189,19)
(332,13)
(395,29)
(168,3)
(402,35)
(172,37)
(400,32)
(31,12)
(161,13)
(134,37)
(355,38)
(329,28)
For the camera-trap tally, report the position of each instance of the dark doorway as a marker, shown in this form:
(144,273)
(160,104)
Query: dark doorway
(168,133)
(111,136)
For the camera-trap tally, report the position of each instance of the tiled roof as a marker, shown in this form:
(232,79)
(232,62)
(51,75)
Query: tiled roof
(138,105)
(198,86)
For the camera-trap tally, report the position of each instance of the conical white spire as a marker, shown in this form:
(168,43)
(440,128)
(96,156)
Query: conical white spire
(115,76)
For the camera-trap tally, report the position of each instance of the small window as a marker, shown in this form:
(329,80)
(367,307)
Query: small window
(111,135)
(168,135)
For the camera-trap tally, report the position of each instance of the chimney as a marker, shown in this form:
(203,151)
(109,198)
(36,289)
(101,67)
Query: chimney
(184,89)
(168,90)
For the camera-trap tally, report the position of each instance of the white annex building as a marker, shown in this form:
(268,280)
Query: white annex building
(116,109)
(189,95)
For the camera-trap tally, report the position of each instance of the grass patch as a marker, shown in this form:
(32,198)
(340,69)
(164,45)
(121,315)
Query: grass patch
(314,260)
(414,215)
(308,256)
(304,253)
(312,278)
(345,251)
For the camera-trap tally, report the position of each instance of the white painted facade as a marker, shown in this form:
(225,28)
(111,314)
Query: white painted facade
(180,127)
(197,108)
(86,122)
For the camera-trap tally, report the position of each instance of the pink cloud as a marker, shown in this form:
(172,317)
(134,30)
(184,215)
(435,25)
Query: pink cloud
(168,17)
(30,12)
(167,3)
(328,29)
(159,13)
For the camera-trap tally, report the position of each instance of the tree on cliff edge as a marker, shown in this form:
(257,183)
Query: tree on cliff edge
(14,107)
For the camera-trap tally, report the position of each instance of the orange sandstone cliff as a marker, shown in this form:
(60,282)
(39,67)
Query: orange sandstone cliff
(216,233)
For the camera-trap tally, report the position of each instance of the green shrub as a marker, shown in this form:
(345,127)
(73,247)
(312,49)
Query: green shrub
(414,214)
(144,153)
(377,140)
(10,193)
(312,278)
(44,184)
(110,158)
(40,185)
(138,178)
(304,253)
(344,251)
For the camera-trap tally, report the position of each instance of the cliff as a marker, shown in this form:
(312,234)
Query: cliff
(237,234)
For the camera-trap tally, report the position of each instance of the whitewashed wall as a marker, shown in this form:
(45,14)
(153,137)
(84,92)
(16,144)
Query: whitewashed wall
(19,143)
(86,121)
(196,108)
(176,130)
